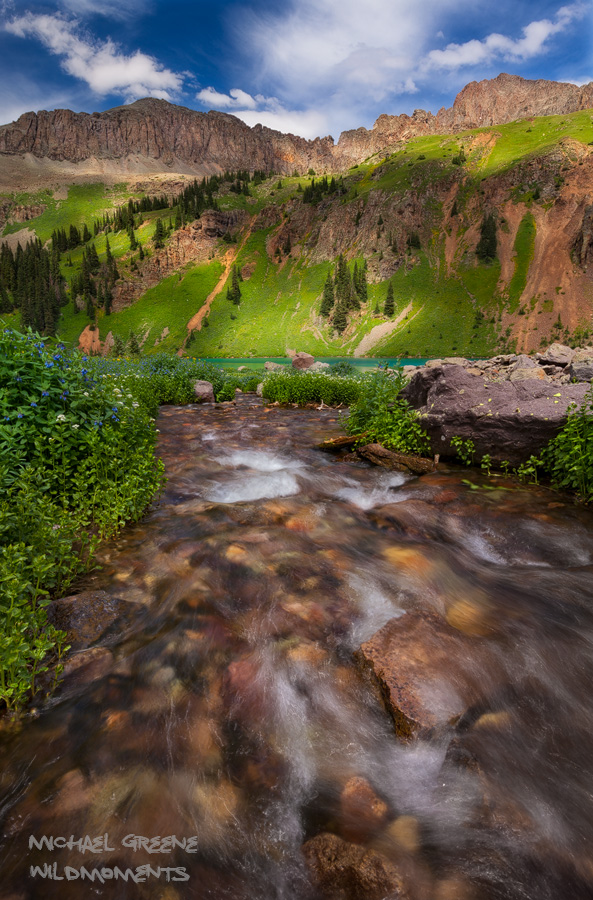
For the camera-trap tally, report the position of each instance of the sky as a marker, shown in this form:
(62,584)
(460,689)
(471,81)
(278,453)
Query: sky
(310,67)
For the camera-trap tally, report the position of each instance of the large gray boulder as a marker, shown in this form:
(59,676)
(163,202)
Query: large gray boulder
(581,367)
(204,392)
(558,355)
(507,420)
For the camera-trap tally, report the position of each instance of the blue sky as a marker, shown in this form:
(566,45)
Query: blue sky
(313,67)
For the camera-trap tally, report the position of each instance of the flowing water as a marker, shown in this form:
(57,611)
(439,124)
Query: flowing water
(224,706)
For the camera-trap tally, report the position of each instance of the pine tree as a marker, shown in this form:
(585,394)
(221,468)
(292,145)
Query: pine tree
(133,345)
(389,308)
(159,235)
(340,319)
(327,303)
(487,245)
(235,288)
(89,306)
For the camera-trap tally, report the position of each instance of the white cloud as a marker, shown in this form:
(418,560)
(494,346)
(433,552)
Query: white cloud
(111,9)
(268,111)
(498,46)
(101,64)
(235,99)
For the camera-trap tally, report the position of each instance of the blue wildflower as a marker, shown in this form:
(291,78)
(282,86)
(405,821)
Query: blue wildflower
(49,364)
(45,393)
(33,404)
(19,415)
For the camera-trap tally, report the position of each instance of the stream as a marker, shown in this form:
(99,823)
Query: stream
(226,717)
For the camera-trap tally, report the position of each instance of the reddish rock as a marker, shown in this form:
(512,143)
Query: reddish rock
(302,361)
(86,617)
(429,672)
(346,871)
(362,812)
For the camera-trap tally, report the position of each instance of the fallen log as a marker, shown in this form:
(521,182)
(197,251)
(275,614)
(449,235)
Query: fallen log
(401,462)
(339,443)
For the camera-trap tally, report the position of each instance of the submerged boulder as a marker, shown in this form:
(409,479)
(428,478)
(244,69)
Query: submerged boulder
(509,420)
(346,871)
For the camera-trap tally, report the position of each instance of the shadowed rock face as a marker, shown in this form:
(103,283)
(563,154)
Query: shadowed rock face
(214,141)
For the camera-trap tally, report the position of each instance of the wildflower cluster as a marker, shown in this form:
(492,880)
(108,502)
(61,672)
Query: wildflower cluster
(76,462)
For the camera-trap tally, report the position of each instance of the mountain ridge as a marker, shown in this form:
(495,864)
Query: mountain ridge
(180,138)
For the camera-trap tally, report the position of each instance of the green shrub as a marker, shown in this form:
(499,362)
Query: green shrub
(384,418)
(310,387)
(568,458)
(76,462)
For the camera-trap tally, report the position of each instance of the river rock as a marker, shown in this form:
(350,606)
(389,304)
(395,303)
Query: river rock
(204,392)
(270,366)
(86,617)
(508,420)
(319,367)
(362,812)
(346,871)
(302,361)
(425,669)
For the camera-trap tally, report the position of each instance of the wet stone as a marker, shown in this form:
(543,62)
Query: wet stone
(347,871)
(418,661)
(88,616)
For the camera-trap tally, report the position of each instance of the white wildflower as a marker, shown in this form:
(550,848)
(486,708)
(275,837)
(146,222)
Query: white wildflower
(61,417)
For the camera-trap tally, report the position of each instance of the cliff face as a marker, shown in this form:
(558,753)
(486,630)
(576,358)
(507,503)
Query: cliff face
(185,140)
(481,103)
(155,129)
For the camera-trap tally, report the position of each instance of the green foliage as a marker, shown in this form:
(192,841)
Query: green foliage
(569,457)
(310,387)
(76,462)
(487,245)
(343,369)
(464,449)
(383,417)
(389,307)
(524,247)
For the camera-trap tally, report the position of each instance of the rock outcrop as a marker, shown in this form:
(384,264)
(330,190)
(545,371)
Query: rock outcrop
(204,143)
(509,414)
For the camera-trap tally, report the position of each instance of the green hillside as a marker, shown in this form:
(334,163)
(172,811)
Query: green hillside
(428,199)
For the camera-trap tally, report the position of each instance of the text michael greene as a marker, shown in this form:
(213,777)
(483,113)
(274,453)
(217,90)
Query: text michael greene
(107,873)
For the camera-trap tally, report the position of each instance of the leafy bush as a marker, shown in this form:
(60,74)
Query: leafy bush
(383,417)
(76,462)
(310,387)
(568,458)
(343,369)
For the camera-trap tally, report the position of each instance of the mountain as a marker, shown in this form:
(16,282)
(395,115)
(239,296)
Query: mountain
(410,199)
(154,135)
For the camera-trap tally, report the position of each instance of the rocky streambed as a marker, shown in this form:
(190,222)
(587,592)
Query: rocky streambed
(304,677)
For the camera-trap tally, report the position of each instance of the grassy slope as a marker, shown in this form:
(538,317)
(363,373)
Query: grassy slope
(280,303)
(84,203)
(524,246)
